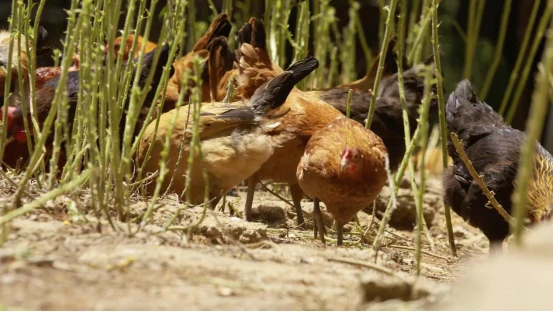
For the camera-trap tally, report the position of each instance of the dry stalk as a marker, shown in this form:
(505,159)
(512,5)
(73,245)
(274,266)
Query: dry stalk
(478,179)
(373,266)
(428,253)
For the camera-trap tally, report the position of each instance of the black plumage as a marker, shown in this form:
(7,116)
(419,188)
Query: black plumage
(494,150)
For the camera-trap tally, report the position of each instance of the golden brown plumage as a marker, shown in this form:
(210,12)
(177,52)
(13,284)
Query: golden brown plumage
(220,68)
(344,167)
(236,139)
(295,121)
(224,149)
(255,65)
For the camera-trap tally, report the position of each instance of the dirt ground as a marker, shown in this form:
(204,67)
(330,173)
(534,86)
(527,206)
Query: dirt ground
(59,259)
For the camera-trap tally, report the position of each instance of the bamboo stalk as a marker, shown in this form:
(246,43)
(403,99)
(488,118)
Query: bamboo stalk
(473,31)
(58,97)
(348,107)
(399,175)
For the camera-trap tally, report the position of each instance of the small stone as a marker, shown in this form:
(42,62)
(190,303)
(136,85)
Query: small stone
(225,292)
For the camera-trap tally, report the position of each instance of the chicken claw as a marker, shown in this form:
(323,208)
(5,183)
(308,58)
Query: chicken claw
(318,224)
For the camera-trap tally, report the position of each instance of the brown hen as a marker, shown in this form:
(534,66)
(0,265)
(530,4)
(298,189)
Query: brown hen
(344,167)
(236,139)
(295,121)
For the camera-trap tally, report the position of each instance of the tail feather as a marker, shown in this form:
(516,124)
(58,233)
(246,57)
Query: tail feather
(253,33)
(252,43)
(302,69)
(220,61)
(274,93)
(221,26)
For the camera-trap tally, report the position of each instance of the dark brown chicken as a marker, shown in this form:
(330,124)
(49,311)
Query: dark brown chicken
(388,119)
(236,140)
(220,27)
(45,95)
(344,167)
(494,150)
(387,122)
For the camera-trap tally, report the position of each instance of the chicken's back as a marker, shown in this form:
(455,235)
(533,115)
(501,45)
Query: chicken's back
(319,171)
(231,150)
(290,129)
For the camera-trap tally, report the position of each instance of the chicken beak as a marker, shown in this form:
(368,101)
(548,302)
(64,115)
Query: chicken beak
(343,164)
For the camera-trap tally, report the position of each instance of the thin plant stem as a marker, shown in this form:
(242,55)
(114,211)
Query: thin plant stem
(521,83)
(441,112)
(75,183)
(383,51)
(498,50)
(423,144)
(391,207)
(348,107)
(478,179)
(521,56)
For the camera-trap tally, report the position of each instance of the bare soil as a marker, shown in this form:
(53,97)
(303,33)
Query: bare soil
(58,258)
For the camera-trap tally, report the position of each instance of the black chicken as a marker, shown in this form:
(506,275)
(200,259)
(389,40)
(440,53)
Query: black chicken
(494,150)
(388,116)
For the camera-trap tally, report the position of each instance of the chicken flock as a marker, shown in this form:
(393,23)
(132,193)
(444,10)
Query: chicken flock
(269,130)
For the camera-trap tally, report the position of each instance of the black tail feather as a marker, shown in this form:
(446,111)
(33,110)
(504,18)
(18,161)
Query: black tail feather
(274,93)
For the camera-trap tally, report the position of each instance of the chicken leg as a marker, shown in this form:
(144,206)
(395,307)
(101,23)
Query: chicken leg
(252,183)
(297,195)
(295,190)
(318,224)
(340,232)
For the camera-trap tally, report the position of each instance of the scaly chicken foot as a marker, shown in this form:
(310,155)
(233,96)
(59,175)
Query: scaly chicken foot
(297,195)
(249,199)
(318,224)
